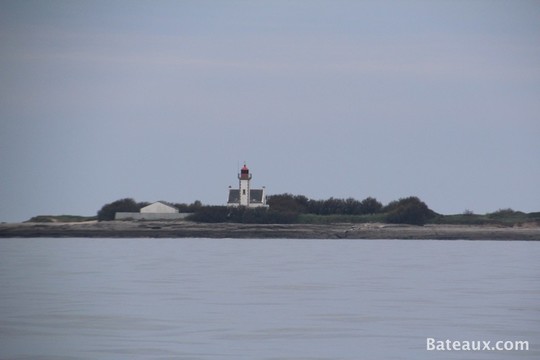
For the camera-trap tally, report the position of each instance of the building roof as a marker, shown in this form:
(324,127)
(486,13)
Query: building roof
(255,196)
(162,206)
(234,196)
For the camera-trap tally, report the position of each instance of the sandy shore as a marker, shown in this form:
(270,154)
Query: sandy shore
(184,229)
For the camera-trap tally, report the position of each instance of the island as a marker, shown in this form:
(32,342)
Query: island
(283,216)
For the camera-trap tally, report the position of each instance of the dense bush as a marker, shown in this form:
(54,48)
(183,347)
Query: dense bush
(108,211)
(288,203)
(409,210)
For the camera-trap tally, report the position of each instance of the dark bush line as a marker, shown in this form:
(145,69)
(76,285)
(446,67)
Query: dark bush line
(409,210)
(302,205)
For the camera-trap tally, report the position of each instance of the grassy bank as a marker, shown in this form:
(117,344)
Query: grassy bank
(501,218)
(516,218)
(61,218)
(334,219)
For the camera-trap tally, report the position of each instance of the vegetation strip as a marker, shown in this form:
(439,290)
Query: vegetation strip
(298,209)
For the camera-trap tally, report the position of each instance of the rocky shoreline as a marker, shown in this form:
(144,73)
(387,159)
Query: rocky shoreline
(186,229)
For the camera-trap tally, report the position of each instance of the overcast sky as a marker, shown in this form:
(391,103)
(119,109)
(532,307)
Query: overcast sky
(163,100)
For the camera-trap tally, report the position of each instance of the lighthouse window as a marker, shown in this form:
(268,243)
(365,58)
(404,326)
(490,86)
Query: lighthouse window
(243,191)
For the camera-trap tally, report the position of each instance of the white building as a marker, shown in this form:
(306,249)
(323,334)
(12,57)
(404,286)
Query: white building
(245,195)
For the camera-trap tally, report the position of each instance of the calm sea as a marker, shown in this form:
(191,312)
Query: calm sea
(265,299)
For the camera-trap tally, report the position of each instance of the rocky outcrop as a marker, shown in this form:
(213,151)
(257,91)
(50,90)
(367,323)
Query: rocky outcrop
(185,229)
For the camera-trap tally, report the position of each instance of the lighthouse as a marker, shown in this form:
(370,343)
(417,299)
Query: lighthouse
(245,178)
(245,195)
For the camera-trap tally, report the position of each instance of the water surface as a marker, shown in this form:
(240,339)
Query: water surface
(264,299)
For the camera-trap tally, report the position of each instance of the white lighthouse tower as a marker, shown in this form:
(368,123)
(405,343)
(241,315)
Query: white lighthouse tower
(245,195)
(244,178)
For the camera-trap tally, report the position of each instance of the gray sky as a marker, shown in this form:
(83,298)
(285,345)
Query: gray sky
(162,100)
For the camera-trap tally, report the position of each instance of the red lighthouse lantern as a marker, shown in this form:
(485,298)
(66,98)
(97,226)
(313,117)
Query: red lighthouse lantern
(244,173)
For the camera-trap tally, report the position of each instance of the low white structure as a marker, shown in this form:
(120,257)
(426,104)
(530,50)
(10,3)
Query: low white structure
(159,207)
(159,210)
(244,195)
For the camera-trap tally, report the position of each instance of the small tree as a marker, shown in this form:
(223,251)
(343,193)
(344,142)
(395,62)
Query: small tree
(370,206)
